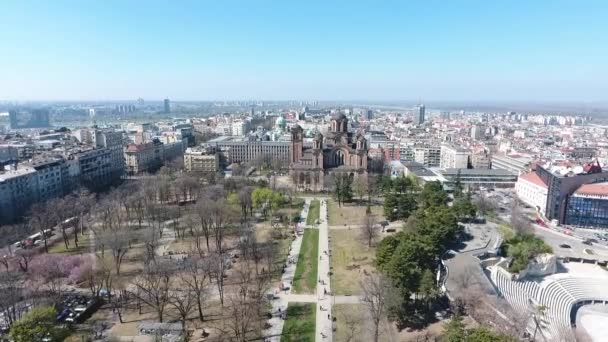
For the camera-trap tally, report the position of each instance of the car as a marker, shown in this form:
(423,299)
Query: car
(601,237)
(565,245)
(588,242)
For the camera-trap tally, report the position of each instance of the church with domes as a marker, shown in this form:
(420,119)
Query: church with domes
(338,152)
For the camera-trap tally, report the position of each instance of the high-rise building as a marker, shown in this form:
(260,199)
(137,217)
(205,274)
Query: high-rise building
(454,157)
(478,132)
(167,105)
(29,118)
(92,116)
(369,114)
(419,114)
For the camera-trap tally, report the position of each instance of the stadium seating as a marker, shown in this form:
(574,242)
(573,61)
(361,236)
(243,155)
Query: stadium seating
(559,293)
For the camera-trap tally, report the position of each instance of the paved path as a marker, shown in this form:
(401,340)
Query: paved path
(280,304)
(324,324)
(322,296)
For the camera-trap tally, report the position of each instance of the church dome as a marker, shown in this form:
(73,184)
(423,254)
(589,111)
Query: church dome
(280,121)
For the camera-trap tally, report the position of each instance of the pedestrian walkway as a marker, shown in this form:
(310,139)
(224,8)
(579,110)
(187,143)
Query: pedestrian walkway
(324,322)
(279,305)
(322,296)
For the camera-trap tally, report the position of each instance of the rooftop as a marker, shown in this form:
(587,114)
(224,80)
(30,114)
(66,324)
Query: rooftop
(596,189)
(476,172)
(533,178)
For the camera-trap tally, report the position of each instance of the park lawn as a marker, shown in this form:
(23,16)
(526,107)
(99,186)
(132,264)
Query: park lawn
(350,322)
(305,278)
(313,212)
(300,323)
(350,213)
(351,258)
(84,244)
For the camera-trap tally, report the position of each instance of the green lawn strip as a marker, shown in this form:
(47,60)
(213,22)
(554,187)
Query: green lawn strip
(313,212)
(300,323)
(305,278)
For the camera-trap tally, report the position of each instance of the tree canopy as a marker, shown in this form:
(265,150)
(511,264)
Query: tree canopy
(37,325)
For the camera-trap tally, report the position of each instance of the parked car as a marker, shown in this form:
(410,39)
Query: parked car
(565,245)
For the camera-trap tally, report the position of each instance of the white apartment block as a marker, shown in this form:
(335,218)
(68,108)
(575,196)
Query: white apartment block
(453,157)
(531,190)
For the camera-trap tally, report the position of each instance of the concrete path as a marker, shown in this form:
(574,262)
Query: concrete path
(324,323)
(279,305)
(322,297)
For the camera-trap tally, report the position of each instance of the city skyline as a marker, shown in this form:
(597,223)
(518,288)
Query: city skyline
(466,51)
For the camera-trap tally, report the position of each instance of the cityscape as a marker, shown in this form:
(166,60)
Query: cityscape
(261,192)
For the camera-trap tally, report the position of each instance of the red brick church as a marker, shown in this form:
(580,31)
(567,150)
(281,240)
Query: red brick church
(339,152)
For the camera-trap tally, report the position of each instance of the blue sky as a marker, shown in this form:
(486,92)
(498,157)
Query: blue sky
(324,50)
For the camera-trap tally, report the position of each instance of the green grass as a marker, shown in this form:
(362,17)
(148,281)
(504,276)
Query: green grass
(506,231)
(305,278)
(300,323)
(84,244)
(313,212)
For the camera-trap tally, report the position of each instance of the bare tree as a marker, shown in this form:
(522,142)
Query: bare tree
(24,258)
(484,204)
(353,326)
(153,287)
(244,196)
(360,187)
(217,268)
(11,292)
(194,276)
(184,302)
(41,219)
(245,303)
(377,294)
(519,223)
(83,204)
(203,211)
(117,239)
(369,229)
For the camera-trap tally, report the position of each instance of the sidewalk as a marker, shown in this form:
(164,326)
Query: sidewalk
(273,333)
(324,323)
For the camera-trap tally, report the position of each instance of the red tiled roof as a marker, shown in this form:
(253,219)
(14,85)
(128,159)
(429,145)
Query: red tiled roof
(533,178)
(597,189)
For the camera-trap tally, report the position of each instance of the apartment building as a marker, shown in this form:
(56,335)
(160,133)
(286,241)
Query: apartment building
(201,160)
(453,157)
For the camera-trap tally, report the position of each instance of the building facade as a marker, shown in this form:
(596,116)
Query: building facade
(339,153)
(588,206)
(146,157)
(562,186)
(429,156)
(531,190)
(18,190)
(245,150)
(201,160)
(454,157)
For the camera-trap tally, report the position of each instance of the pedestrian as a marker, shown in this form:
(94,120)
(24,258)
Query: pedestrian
(328,316)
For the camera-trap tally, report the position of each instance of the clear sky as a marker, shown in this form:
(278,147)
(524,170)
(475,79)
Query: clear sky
(446,50)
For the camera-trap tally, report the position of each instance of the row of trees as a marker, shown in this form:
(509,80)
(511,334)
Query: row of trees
(410,258)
